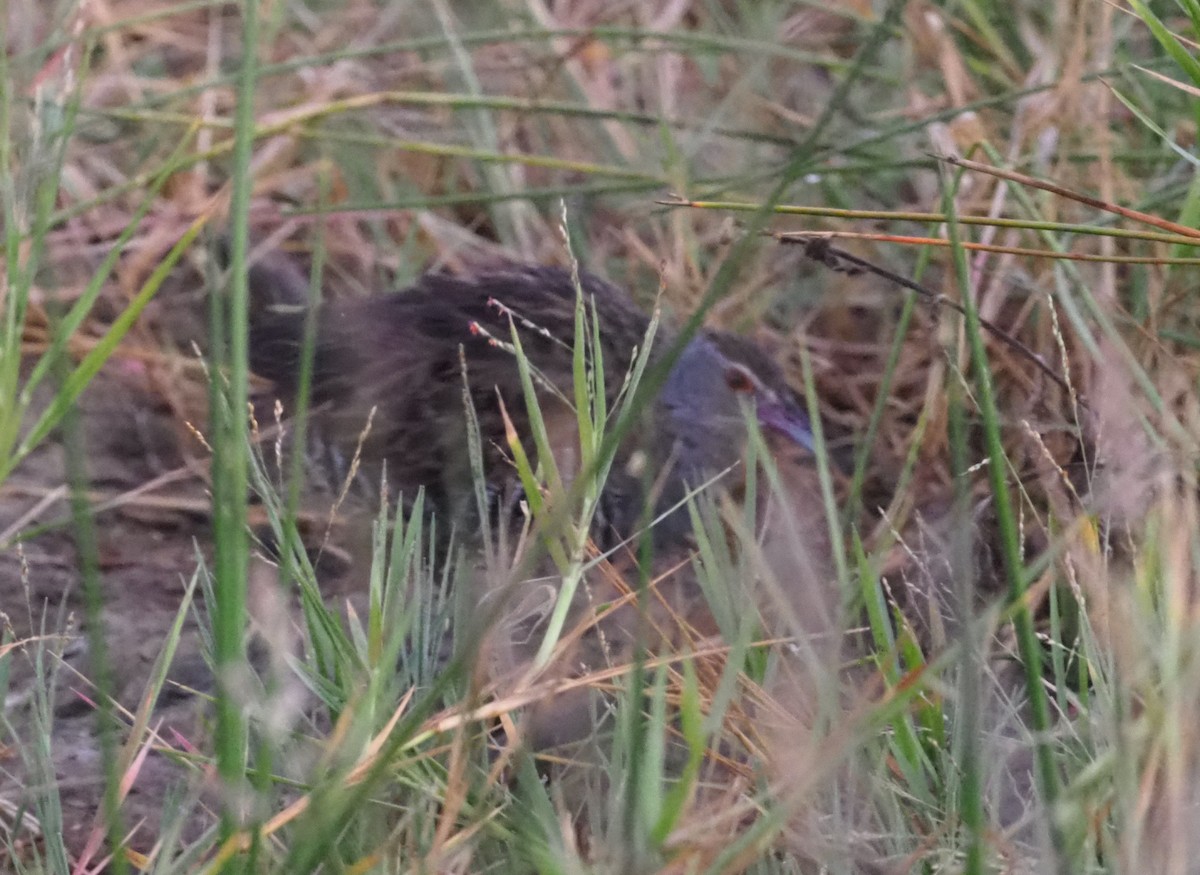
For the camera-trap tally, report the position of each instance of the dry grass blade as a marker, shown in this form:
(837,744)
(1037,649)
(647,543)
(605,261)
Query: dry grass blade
(994,249)
(1027,181)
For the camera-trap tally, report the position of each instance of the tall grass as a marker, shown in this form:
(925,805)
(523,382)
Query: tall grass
(857,708)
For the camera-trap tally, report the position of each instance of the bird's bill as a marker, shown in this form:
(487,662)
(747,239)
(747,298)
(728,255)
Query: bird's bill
(789,420)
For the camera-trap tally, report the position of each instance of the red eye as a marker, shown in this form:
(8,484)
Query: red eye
(739,381)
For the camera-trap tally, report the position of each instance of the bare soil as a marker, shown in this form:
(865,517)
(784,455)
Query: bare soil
(149,541)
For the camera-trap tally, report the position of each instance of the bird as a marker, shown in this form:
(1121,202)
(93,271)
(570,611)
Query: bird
(401,358)
(410,360)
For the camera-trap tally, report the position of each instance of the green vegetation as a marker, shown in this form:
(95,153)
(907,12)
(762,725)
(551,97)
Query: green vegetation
(962,639)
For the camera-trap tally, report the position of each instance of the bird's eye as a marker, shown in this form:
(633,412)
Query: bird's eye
(740,380)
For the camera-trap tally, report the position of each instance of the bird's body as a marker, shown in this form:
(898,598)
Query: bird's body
(403,356)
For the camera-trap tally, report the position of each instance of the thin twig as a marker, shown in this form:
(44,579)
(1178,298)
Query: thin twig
(820,250)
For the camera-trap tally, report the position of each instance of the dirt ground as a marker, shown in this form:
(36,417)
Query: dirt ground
(148,548)
(148,484)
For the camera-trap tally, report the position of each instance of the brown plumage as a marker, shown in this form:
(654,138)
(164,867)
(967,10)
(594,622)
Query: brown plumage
(400,354)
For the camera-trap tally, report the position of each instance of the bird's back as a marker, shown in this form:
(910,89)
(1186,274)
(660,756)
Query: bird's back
(399,358)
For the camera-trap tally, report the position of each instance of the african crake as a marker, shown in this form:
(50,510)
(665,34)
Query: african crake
(399,354)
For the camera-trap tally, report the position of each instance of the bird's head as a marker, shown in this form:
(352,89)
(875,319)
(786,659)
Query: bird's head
(716,380)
